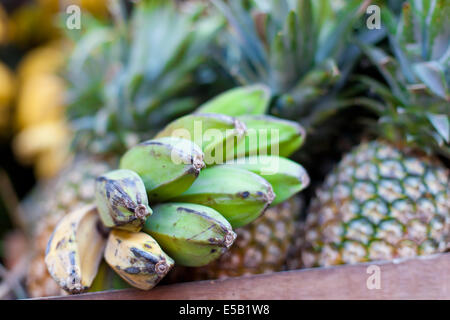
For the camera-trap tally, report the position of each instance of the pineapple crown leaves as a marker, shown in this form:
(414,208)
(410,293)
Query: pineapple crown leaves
(299,49)
(416,104)
(130,78)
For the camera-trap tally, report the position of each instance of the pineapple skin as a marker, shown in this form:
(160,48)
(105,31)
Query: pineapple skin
(260,247)
(73,188)
(381,202)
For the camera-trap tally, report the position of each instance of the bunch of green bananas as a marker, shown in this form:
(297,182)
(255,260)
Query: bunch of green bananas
(204,174)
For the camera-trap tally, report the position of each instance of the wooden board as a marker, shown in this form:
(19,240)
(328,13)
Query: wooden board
(418,278)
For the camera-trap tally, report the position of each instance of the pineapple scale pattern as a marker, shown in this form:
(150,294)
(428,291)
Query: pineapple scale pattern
(380,203)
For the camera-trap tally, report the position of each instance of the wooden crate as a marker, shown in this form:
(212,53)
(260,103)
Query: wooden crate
(417,278)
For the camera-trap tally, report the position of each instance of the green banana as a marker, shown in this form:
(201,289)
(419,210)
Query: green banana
(253,99)
(285,176)
(193,235)
(122,200)
(75,249)
(215,133)
(167,166)
(239,195)
(268,135)
(137,258)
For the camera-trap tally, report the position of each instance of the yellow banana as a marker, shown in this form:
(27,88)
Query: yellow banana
(137,258)
(75,249)
(121,200)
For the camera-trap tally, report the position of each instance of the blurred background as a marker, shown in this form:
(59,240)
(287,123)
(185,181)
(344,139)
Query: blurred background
(34,140)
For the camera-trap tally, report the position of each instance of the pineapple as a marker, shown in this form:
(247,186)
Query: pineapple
(390,197)
(260,247)
(292,50)
(123,86)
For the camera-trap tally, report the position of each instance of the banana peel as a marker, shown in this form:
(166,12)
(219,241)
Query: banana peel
(75,250)
(137,258)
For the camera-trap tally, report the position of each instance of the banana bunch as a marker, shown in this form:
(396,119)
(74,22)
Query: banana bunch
(176,199)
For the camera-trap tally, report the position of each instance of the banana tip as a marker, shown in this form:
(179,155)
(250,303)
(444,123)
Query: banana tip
(162,268)
(270,195)
(141,211)
(241,129)
(198,163)
(229,238)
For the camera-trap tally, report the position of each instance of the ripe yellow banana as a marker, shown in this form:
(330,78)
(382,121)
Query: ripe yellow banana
(137,258)
(239,101)
(193,235)
(75,249)
(239,195)
(122,200)
(285,176)
(268,135)
(167,166)
(212,132)
(47,59)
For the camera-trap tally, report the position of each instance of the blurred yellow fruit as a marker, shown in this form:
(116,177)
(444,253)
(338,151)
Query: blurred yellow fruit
(45,59)
(7,85)
(3,25)
(31,25)
(7,90)
(98,8)
(41,99)
(49,5)
(43,138)
(32,142)
(49,163)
